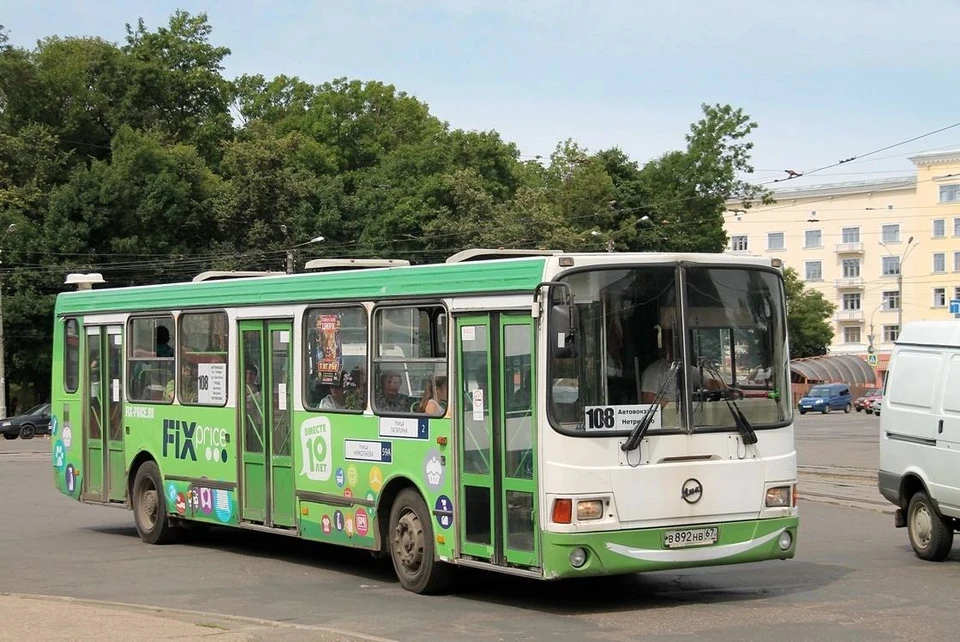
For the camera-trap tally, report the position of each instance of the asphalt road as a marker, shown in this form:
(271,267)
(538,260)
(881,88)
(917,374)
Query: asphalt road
(854,578)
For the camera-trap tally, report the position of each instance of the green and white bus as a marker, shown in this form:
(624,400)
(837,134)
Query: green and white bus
(545,414)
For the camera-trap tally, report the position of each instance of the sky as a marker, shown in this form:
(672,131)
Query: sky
(824,80)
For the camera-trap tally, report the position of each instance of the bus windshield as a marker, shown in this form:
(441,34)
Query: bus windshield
(627,354)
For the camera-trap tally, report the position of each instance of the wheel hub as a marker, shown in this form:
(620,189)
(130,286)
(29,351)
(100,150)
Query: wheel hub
(408,541)
(922,526)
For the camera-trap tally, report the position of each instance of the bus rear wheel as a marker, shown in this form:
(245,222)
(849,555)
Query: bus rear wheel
(150,506)
(411,545)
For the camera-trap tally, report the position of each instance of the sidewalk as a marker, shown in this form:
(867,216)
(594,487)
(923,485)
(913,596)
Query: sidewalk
(35,617)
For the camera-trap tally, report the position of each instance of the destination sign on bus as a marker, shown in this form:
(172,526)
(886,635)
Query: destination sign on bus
(618,418)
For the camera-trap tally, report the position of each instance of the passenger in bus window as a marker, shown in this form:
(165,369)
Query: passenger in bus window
(336,399)
(389,397)
(163,342)
(434,399)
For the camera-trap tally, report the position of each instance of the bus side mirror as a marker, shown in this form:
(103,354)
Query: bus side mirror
(562,320)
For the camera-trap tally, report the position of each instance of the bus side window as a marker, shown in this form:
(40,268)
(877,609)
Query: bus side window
(203,366)
(410,361)
(150,360)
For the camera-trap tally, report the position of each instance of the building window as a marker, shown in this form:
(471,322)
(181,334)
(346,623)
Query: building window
(939,228)
(335,357)
(939,297)
(410,362)
(891,265)
(851,334)
(890,333)
(890,233)
(71,356)
(939,262)
(851,235)
(851,301)
(956,261)
(150,360)
(738,243)
(812,238)
(814,271)
(949,193)
(775,241)
(851,268)
(956,226)
(891,300)
(956,292)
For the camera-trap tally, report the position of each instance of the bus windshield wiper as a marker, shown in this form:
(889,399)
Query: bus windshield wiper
(636,436)
(743,426)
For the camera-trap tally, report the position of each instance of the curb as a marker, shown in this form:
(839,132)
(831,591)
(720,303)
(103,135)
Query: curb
(350,635)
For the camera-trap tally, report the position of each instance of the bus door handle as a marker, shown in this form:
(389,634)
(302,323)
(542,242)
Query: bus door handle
(940,427)
(127,429)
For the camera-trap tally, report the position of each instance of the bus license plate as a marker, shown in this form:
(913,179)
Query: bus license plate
(691,537)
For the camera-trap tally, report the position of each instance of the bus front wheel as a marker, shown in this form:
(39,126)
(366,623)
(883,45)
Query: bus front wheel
(150,506)
(412,545)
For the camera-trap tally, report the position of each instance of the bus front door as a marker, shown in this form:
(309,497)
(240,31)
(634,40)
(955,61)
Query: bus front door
(104,476)
(265,422)
(497,439)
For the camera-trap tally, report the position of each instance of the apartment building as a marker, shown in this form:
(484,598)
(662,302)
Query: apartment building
(886,251)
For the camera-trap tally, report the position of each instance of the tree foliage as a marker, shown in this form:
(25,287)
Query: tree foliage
(142,161)
(807,318)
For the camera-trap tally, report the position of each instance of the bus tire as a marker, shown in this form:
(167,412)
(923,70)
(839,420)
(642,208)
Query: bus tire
(150,506)
(930,535)
(411,545)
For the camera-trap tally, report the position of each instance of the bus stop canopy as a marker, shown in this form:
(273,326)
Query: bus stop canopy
(834,368)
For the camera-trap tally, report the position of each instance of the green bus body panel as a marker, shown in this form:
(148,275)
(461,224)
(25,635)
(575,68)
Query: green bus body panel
(371,284)
(635,551)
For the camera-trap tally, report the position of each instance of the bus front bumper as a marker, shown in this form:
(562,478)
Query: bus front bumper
(635,551)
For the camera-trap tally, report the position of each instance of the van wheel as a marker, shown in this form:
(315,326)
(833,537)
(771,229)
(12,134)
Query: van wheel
(930,535)
(847,408)
(412,545)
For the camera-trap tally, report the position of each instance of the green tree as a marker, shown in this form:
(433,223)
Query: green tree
(808,312)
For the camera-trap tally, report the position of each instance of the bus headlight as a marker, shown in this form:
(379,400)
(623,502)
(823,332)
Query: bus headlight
(578,557)
(779,497)
(589,509)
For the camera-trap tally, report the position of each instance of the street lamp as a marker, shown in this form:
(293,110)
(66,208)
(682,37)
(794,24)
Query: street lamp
(3,371)
(900,260)
(317,239)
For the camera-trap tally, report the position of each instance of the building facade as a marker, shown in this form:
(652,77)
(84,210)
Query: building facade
(885,252)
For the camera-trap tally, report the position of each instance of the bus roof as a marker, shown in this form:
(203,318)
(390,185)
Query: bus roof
(509,274)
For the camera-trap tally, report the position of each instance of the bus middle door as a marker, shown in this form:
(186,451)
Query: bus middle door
(497,439)
(266,392)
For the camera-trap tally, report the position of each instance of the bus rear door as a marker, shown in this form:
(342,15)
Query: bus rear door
(104,477)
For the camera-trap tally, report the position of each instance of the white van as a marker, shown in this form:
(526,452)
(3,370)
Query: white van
(920,435)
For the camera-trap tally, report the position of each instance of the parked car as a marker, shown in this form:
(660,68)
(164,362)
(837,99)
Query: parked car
(871,403)
(35,421)
(876,404)
(861,403)
(826,397)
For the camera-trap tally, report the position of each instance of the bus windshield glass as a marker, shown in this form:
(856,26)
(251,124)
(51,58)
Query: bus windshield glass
(625,355)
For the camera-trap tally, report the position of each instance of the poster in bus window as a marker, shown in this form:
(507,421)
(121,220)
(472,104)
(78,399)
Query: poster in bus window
(328,349)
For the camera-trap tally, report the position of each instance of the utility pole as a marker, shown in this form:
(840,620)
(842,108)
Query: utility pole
(290,250)
(3,370)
